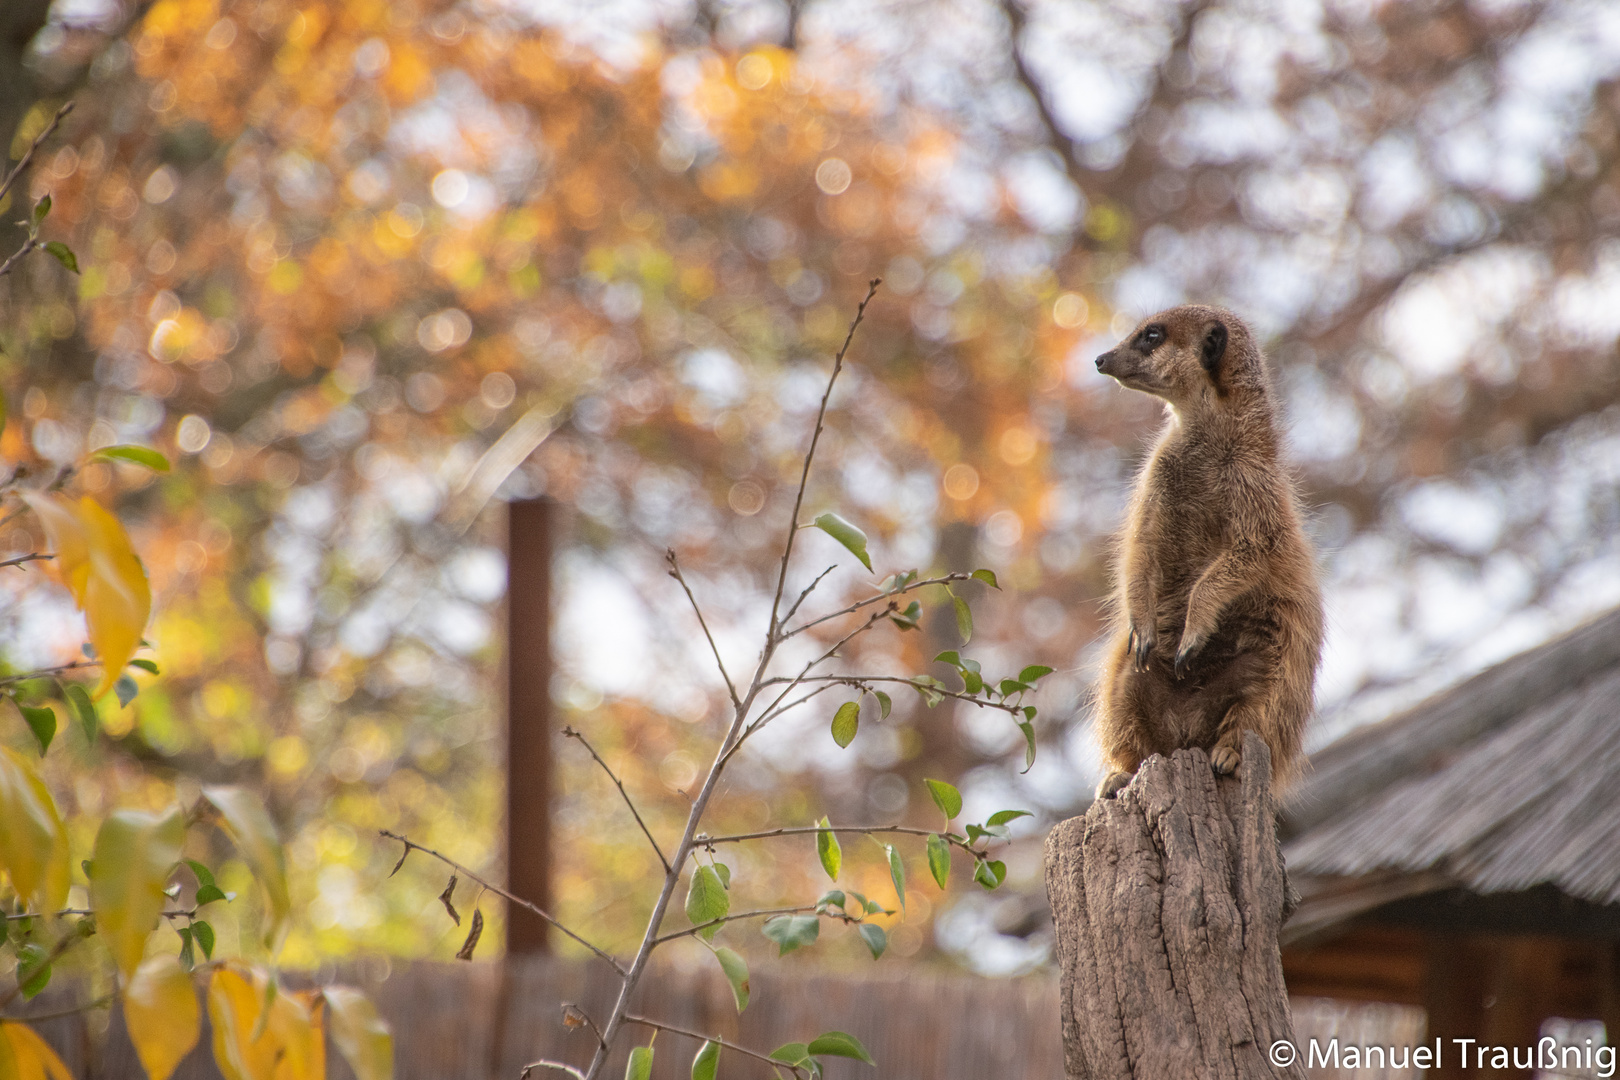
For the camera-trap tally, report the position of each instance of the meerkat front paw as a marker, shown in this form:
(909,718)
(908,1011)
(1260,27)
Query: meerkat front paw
(1112,783)
(1225,760)
(1141,647)
(1190,644)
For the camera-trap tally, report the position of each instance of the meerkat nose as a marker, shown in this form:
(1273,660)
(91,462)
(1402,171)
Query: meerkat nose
(1103,359)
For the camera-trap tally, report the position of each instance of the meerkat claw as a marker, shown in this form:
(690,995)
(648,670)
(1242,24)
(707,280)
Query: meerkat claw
(1112,783)
(1183,662)
(1141,650)
(1224,760)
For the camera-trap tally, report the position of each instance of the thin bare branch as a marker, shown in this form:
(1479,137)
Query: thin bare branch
(775,711)
(28,155)
(859,681)
(99,1003)
(700,927)
(572,734)
(870,600)
(804,476)
(40,673)
(659,1025)
(544,1064)
(808,589)
(32,556)
(498,891)
(675,572)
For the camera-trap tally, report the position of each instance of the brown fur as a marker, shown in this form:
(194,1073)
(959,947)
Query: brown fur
(1218,615)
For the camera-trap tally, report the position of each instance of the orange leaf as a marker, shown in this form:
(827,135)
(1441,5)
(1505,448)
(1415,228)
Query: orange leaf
(160,1010)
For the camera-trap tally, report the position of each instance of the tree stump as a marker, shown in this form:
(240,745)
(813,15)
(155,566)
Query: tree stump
(1167,900)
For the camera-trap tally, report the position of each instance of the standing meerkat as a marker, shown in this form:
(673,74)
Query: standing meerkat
(1217,611)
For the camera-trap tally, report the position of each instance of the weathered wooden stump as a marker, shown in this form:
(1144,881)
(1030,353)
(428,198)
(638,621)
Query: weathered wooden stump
(1167,901)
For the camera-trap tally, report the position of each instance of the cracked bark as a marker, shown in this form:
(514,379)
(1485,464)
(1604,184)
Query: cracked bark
(1167,901)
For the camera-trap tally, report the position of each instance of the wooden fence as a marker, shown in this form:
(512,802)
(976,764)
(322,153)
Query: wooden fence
(485,1021)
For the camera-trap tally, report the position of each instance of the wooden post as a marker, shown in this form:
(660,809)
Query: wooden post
(528,718)
(1167,900)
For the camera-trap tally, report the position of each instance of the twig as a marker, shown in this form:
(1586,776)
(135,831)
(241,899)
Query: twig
(571,1010)
(42,672)
(700,927)
(659,1025)
(675,572)
(28,155)
(498,891)
(572,734)
(870,600)
(860,680)
(100,1002)
(728,745)
(32,556)
(775,711)
(544,1064)
(63,944)
(810,830)
(808,589)
(804,475)
(190,913)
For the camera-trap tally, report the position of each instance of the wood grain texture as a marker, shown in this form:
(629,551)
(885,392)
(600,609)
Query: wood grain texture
(1167,901)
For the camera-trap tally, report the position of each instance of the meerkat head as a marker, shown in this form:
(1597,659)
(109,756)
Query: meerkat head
(1194,357)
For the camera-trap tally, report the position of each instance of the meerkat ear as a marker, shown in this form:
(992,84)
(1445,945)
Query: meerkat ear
(1214,347)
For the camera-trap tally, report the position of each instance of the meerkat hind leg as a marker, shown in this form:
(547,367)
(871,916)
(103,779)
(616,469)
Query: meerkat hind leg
(1227,753)
(1112,783)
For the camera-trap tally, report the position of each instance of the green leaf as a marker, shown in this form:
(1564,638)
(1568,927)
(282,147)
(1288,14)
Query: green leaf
(792,1053)
(707,1063)
(951,657)
(792,931)
(706,899)
(846,534)
(1029,744)
(1001,817)
(32,970)
(640,1064)
(946,797)
(839,1044)
(897,874)
(964,619)
(204,876)
(884,704)
(140,455)
(1013,686)
(207,894)
(929,688)
(63,254)
(188,952)
(831,896)
(41,721)
(144,664)
(126,689)
(832,856)
(846,721)
(736,970)
(41,208)
(724,873)
(972,681)
(83,708)
(990,873)
(1034,672)
(876,940)
(988,577)
(939,859)
(909,618)
(204,933)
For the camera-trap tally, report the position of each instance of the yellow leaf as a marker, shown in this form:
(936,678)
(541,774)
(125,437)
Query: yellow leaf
(255,834)
(31,1058)
(233,1009)
(33,844)
(161,1012)
(117,599)
(134,855)
(101,570)
(360,1035)
(290,1044)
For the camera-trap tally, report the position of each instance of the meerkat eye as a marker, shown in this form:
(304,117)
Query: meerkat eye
(1152,337)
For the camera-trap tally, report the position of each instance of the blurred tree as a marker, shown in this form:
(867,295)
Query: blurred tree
(354,262)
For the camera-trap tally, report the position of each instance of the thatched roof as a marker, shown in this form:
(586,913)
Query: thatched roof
(1507,782)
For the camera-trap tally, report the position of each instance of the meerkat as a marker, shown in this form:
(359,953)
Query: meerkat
(1217,611)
